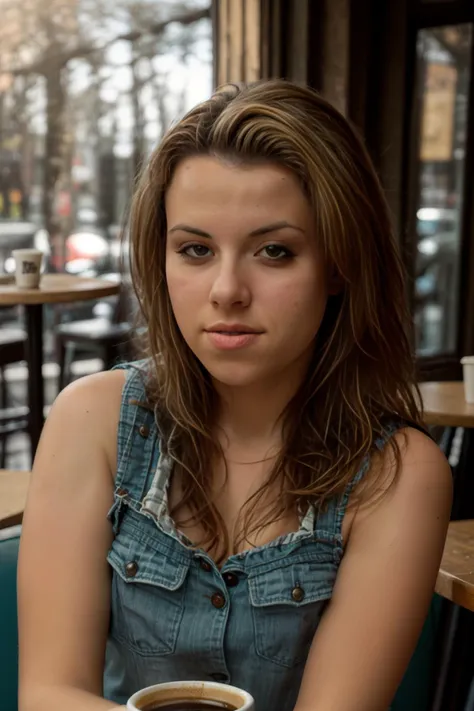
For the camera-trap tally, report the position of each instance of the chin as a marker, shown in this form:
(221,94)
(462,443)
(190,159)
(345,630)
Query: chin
(235,376)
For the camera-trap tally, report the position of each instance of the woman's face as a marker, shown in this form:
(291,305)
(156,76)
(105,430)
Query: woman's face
(245,276)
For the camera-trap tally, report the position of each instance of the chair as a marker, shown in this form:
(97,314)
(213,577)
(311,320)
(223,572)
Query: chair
(12,419)
(415,691)
(109,338)
(9,543)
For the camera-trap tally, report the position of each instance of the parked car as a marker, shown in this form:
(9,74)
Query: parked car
(436,229)
(437,262)
(86,253)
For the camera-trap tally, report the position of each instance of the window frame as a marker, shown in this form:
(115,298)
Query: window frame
(426,15)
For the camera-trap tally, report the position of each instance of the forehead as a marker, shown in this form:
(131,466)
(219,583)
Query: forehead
(207,186)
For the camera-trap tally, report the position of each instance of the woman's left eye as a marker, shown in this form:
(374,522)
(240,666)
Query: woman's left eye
(276,253)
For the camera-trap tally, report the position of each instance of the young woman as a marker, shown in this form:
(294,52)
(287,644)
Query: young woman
(255,502)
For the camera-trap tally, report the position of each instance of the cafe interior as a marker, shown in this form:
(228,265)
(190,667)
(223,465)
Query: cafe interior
(403,72)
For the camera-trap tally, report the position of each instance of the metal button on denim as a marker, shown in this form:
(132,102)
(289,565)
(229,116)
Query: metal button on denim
(230,579)
(144,431)
(122,492)
(205,565)
(297,594)
(218,600)
(131,569)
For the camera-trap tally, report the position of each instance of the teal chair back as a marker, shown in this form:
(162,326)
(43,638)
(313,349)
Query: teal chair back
(414,693)
(9,542)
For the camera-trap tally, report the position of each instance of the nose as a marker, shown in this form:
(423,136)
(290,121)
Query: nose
(230,287)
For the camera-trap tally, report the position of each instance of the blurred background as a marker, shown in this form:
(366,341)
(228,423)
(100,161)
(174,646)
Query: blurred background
(88,87)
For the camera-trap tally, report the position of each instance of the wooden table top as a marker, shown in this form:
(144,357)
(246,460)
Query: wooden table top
(58,288)
(456,575)
(13,490)
(445,405)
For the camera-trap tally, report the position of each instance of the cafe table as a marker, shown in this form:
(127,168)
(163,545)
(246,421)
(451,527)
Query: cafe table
(53,289)
(445,406)
(13,491)
(456,573)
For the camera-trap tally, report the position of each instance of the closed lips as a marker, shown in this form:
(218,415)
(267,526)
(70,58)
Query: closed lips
(237,329)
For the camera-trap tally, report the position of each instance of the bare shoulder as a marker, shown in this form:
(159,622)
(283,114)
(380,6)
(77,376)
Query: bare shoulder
(86,413)
(65,538)
(385,582)
(421,480)
(422,464)
(99,391)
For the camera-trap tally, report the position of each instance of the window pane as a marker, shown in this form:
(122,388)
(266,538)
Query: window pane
(443,81)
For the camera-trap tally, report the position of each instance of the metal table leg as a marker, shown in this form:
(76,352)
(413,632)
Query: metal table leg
(34,353)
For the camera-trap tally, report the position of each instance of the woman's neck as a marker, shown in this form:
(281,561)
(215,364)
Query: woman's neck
(250,415)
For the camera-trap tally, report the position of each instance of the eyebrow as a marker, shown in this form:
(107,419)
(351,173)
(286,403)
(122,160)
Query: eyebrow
(274,227)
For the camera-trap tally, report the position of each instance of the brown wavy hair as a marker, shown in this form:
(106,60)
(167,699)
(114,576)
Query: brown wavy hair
(362,374)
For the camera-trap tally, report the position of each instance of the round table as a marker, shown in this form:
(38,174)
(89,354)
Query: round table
(445,405)
(54,289)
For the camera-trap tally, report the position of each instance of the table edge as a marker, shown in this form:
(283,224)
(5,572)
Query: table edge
(39,298)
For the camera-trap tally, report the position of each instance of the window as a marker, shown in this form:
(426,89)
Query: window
(442,90)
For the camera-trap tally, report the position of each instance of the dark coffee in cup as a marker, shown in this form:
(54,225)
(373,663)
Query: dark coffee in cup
(189,705)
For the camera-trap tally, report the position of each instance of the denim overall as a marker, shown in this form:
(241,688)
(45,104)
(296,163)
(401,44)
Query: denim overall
(176,616)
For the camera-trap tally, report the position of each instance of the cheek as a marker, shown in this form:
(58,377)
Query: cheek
(181,286)
(303,300)
(187,295)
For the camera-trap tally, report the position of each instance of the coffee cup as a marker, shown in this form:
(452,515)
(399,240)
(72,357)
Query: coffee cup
(468,376)
(191,696)
(27,268)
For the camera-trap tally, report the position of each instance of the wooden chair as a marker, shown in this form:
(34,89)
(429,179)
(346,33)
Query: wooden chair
(13,419)
(110,339)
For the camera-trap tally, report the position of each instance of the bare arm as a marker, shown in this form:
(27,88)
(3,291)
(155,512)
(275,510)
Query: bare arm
(383,589)
(63,577)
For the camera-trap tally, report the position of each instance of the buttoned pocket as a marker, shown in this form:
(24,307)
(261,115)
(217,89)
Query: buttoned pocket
(148,589)
(287,604)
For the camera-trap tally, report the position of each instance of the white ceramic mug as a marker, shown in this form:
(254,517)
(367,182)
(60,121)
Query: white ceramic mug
(177,693)
(468,375)
(27,267)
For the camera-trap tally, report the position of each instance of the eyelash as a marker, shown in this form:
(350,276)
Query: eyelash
(288,254)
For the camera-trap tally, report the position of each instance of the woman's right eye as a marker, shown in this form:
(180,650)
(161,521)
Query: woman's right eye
(194,251)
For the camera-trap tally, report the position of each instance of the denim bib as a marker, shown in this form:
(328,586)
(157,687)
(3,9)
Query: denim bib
(176,616)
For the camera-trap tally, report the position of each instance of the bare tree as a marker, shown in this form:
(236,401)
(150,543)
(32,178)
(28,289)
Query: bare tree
(51,34)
